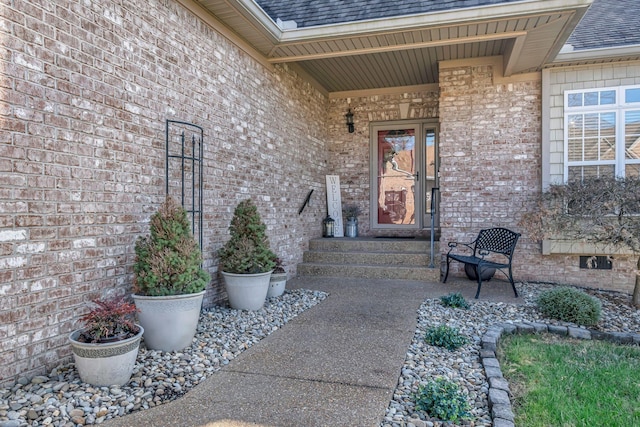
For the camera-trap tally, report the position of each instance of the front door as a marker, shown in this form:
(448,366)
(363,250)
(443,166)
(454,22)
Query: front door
(404,170)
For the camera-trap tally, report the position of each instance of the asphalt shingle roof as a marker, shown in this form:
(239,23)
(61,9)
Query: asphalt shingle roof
(309,13)
(608,23)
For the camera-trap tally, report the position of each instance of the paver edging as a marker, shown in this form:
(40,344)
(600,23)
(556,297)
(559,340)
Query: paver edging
(499,394)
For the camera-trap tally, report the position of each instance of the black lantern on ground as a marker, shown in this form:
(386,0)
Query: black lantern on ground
(349,117)
(328,225)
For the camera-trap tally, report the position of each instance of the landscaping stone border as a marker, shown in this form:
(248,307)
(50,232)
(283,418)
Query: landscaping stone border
(499,392)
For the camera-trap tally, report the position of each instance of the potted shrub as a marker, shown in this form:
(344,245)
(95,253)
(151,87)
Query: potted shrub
(169,280)
(278,280)
(246,262)
(106,347)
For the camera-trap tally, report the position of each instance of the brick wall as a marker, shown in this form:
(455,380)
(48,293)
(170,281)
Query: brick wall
(490,148)
(350,152)
(86,89)
(489,152)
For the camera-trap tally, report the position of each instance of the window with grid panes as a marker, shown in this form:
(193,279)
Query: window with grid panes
(602,132)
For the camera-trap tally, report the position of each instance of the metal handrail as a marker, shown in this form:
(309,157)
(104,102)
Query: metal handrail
(306,201)
(433,223)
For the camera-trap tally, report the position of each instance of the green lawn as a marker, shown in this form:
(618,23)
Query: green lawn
(560,382)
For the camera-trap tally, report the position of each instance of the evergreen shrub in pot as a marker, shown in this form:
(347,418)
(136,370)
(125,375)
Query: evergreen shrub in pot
(246,261)
(106,347)
(169,280)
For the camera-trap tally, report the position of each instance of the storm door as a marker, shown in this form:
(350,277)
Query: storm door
(404,170)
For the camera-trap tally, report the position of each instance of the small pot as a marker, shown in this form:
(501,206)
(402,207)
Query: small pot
(487,273)
(105,364)
(277,283)
(351,228)
(246,291)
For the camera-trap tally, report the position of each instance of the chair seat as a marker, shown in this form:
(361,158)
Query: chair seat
(477,261)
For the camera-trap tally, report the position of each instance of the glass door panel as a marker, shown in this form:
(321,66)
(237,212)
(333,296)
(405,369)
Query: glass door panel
(431,174)
(396,176)
(404,170)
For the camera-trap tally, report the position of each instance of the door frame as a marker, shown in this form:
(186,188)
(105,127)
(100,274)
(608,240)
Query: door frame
(421,215)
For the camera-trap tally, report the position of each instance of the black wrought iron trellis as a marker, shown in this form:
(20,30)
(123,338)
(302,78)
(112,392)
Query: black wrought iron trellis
(183,171)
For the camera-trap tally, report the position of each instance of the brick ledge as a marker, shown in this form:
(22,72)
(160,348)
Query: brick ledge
(577,247)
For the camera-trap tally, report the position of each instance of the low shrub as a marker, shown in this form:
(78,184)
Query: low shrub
(445,336)
(570,305)
(442,399)
(455,300)
(111,319)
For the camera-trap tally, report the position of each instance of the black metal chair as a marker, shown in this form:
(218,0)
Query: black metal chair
(493,248)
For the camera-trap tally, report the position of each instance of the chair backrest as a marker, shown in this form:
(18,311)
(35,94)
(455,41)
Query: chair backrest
(499,240)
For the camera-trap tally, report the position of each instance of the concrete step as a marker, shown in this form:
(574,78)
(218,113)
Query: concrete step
(306,269)
(367,258)
(386,245)
(370,258)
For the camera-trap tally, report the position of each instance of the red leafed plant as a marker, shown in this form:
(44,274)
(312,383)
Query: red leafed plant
(110,320)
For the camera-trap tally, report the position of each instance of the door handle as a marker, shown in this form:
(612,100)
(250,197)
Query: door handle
(417,175)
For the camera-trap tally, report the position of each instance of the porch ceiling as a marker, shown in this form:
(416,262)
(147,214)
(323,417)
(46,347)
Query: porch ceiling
(405,50)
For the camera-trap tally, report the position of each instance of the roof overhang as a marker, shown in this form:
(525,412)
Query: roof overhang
(405,50)
(597,56)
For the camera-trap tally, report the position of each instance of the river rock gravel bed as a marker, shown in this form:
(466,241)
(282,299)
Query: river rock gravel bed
(463,366)
(61,399)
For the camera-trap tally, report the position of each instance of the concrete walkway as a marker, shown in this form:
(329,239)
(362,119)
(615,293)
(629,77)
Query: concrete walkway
(336,364)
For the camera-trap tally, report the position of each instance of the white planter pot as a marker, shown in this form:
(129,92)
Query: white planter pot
(169,322)
(277,283)
(105,364)
(246,291)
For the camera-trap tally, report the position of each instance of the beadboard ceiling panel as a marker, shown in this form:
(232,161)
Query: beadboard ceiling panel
(405,50)
(393,69)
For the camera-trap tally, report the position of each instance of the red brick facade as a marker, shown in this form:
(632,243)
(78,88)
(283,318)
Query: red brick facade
(86,90)
(489,153)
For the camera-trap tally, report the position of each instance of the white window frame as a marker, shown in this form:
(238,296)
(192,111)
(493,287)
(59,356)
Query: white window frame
(619,108)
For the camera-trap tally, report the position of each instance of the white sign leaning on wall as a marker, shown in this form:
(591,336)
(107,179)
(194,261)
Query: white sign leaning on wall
(334,204)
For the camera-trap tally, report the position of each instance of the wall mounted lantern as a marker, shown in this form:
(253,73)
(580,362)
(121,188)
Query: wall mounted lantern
(349,117)
(327,227)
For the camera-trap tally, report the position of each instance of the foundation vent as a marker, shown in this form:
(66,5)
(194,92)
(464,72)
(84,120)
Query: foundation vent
(596,262)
